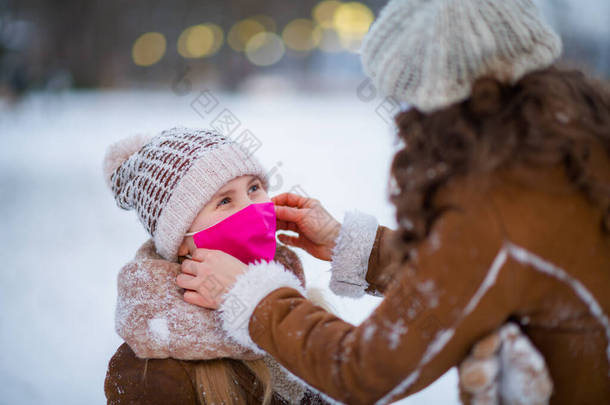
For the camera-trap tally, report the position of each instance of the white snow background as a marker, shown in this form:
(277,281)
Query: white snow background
(63,240)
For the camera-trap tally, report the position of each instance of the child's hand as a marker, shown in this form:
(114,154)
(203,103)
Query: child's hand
(209,276)
(317,229)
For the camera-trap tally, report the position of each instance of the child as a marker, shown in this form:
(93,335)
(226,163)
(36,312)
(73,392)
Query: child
(190,188)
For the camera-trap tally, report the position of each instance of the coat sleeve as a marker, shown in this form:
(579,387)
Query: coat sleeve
(380,272)
(361,256)
(453,294)
(134,381)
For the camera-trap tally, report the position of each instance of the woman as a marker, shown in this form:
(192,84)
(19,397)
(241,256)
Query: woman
(502,192)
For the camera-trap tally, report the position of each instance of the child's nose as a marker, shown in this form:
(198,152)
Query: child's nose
(245,201)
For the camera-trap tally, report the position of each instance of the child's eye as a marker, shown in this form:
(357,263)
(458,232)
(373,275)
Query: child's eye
(254,188)
(224,201)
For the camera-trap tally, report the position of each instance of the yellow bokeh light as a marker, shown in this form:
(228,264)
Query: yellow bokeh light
(299,35)
(200,41)
(328,39)
(265,21)
(353,20)
(219,37)
(148,49)
(324,13)
(242,32)
(195,42)
(265,49)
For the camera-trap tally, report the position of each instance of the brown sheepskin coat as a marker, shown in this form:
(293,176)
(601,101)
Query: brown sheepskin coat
(521,245)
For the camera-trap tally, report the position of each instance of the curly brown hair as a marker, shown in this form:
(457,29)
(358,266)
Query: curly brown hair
(548,117)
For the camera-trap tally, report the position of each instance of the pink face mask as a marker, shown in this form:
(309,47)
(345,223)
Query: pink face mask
(248,234)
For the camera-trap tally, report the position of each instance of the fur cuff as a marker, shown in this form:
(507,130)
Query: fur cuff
(350,256)
(239,304)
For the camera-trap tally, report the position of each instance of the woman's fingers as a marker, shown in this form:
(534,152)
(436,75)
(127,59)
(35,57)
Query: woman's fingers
(290,240)
(199,263)
(187,281)
(189,267)
(211,278)
(290,214)
(195,298)
(287,226)
(201,254)
(194,270)
(290,200)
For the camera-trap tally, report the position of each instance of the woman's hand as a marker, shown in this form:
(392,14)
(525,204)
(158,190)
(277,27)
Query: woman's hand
(209,276)
(317,230)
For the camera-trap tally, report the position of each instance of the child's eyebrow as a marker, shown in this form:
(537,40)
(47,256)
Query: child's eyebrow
(231,190)
(224,193)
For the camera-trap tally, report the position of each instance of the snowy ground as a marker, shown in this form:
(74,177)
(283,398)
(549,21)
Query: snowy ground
(62,239)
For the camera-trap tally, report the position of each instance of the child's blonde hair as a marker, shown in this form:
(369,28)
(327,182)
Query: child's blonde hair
(217,382)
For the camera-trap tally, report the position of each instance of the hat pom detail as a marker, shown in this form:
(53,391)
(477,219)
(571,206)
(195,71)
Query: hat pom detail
(119,152)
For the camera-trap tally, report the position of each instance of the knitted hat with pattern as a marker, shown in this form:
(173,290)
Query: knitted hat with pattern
(429,53)
(167,179)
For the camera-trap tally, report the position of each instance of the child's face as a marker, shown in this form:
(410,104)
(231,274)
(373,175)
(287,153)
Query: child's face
(234,196)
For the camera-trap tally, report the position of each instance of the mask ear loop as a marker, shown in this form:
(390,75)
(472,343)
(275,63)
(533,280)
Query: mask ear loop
(188,255)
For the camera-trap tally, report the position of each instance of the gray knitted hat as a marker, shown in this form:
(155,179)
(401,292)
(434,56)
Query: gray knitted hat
(429,53)
(170,177)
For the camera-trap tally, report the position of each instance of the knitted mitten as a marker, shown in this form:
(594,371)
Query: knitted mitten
(505,368)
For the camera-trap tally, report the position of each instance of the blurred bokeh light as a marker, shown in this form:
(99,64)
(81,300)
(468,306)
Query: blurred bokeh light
(200,41)
(265,49)
(299,35)
(117,44)
(149,48)
(242,32)
(266,21)
(352,21)
(324,13)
